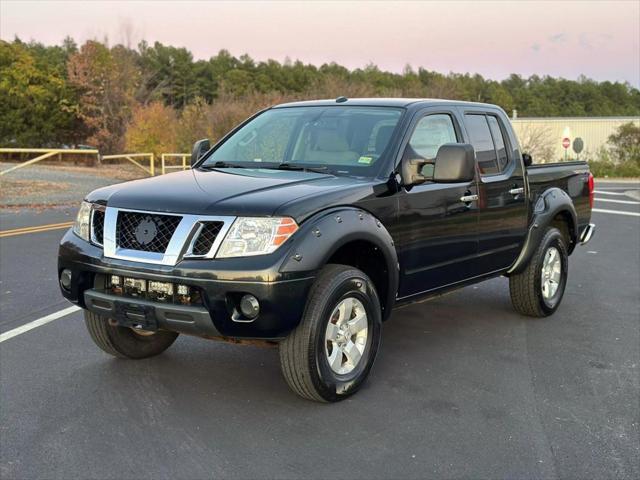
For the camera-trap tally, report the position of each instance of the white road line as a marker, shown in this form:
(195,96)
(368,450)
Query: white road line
(609,193)
(37,323)
(628,202)
(616,212)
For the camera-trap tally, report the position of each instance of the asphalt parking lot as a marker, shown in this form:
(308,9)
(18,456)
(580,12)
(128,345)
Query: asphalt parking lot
(463,388)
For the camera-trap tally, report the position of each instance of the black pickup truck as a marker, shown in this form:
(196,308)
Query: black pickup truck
(310,221)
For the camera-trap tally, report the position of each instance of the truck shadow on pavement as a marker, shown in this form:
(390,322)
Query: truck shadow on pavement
(419,344)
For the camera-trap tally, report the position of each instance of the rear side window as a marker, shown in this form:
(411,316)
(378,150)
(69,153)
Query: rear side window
(498,140)
(482,142)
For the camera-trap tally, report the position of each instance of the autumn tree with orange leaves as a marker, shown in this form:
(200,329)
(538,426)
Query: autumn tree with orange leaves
(106,81)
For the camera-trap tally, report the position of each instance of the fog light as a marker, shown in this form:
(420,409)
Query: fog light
(161,287)
(65,279)
(249,306)
(135,286)
(160,290)
(183,290)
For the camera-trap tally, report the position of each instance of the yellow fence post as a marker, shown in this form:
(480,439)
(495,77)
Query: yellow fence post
(131,157)
(180,156)
(45,153)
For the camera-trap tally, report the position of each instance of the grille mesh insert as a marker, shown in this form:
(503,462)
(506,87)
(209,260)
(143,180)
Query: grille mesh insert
(147,232)
(97,226)
(207,236)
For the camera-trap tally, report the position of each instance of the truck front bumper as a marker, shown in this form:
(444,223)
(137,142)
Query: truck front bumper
(281,297)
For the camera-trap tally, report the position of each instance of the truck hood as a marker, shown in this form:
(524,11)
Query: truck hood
(237,191)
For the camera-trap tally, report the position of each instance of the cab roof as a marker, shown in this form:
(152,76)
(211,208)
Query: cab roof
(380,102)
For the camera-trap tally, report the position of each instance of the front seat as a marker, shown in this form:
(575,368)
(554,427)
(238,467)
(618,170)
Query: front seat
(330,146)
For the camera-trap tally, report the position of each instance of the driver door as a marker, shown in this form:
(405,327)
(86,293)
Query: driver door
(438,221)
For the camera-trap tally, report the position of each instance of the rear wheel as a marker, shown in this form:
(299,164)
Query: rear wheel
(329,355)
(125,342)
(538,290)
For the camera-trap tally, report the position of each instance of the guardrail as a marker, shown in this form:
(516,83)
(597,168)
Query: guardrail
(184,166)
(45,153)
(132,158)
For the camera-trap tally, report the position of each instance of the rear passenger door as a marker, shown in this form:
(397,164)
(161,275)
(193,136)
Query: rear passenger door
(502,215)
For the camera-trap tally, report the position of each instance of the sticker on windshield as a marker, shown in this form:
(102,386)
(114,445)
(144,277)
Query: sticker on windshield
(366,160)
(257,159)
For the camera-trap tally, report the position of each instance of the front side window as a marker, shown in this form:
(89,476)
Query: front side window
(482,142)
(339,139)
(430,134)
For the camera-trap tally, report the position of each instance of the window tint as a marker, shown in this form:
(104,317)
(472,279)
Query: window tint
(430,134)
(482,142)
(262,141)
(344,139)
(499,142)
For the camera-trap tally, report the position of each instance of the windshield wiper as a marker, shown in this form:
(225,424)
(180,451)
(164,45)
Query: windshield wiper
(291,166)
(221,165)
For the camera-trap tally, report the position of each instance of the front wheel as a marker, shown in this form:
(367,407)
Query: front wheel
(125,342)
(329,355)
(538,290)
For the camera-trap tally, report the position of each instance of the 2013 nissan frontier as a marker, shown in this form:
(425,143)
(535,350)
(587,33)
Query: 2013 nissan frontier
(310,221)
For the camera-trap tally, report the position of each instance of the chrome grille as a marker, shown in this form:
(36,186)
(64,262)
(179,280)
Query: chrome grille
(146,232)
(97,226)
(207,236)
(168,239)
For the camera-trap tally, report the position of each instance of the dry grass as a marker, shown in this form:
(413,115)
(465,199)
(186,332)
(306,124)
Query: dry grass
(117,171)
(16,188)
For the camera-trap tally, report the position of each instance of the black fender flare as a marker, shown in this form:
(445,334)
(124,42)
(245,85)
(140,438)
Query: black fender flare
(552,202)
(321,236)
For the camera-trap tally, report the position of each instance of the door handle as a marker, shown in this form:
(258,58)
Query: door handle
(468,198)
(516,191)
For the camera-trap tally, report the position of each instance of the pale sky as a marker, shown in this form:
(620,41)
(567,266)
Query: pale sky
(598,39)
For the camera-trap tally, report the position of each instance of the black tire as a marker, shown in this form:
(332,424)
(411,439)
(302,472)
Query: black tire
(303,358)
(526,287)
(123,342)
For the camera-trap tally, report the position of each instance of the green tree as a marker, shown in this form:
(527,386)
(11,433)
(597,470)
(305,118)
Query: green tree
(625,144)
(37,108)
(51,95)
(168,74)
(195,122)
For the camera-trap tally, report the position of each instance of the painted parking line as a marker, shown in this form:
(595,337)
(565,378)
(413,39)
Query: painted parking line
(609,193)
(34,229)
(616,212)
(627,202)
(37,323)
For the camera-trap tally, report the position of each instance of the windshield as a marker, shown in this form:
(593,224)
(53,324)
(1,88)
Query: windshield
(336,139)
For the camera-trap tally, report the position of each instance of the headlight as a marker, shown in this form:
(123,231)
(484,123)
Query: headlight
(83,221)
(256,236)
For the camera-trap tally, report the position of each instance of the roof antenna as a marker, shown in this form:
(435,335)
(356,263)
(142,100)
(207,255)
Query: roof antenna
(341,99)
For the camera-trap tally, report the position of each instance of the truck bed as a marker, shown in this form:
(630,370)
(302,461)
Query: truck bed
(572,177)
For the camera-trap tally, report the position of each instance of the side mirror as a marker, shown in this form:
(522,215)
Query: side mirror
(527,159)
(199,148)
(455,162)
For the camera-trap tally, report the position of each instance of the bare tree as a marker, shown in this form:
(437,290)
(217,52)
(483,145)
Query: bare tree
(126,32)
(537,141)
